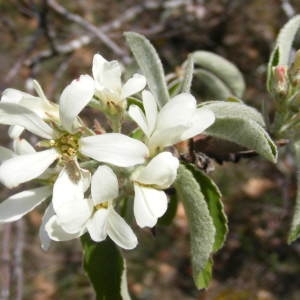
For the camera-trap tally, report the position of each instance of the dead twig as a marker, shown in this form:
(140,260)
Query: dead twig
(88,26)
(5,263)
(18,260)
(62,49)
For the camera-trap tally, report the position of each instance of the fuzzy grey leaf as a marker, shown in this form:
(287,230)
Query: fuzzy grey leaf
(150,64)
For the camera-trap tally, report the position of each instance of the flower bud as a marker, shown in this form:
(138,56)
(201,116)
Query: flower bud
(294,71)
(280,84)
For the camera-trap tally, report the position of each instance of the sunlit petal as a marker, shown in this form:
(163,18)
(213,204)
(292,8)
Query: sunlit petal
(25,167)
(201,120)
(177,111)
(105,185)
(97,225)
(14,114)
(138,116)
(160,171)
(22,146)
(149,205)
(68,202)
(150,107)
(43,234)
(120,232)
(17,205)
(74,98)
(133,85)
(57,233)
(114,148)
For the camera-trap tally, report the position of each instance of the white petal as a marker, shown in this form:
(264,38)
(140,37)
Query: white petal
(177,111)
(139,117)
(112,76)
(160,171)
(97,69)
(149,205)
(25,167)
(21,146)
(105,185)
(57,233)
(200,121)
(14,131)
(39,105)
(12,96)
(74,98)
(43,234)
(120,232)
(150,107)
(166,137)
(16,206)
(86,178)
(6,154)
(133,85)
(14,114)
(69,204)
(97,225)
(37,87)
(114,148)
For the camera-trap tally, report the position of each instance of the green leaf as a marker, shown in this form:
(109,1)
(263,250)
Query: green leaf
(205,276)
(228,110)
(174,87)
(135,101)
(273,62)
(244,132)
(202,230)
(210,86)
(212,196)
(224,70)
(282,50)
(150,64)
(186,83)
(105,268)
(295,226)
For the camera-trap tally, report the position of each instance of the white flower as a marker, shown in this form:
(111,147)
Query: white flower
(39,105)
(74,216)
(150,201)
(109,88)
(178,120)
(17,205)
(67,142)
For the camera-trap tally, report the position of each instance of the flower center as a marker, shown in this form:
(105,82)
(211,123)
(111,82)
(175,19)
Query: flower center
(67,145)
(101,205)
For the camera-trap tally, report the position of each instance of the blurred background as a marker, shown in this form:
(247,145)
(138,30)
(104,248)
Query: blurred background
(54,42)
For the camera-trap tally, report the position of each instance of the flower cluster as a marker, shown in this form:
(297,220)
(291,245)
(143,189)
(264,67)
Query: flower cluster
(90,175)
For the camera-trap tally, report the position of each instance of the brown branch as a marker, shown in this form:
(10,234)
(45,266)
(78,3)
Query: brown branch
(62,49)
(18,260)
(88,26)
(5,263)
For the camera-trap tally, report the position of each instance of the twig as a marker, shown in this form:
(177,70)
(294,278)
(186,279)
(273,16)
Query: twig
(288,8)
(18,260)
(5,263)
(130,14)
(88,26)
(58,74)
